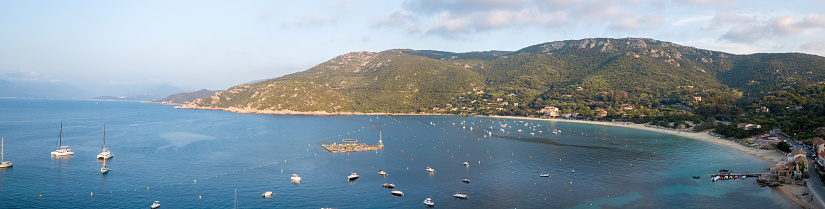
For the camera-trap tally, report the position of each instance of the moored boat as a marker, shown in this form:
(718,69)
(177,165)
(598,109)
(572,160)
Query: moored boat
(295,178)
(352,177)
(382,172)
(544,175)
(3,162)
(267,194)
(396,193)
(429,202)
(105,154)
(388,185)
(105,169)
(62,150)
(466,180)
(459,195)
(156,204)
(431,170)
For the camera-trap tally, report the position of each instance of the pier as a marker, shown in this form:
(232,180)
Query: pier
(352,145)
(731,175)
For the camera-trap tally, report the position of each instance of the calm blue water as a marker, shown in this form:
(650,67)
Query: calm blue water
(161,152)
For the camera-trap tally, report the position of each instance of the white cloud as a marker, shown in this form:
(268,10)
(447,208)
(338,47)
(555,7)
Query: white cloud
(704,3)
(749,29)
(462,26)
(309,20)
(732,47)
(690,21)
(460,6)
(635,22)
(396,19)
(814,46)
(747,33)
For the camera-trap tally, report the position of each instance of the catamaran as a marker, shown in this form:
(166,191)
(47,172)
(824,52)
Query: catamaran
(62,150)
(105,154)
(3,162)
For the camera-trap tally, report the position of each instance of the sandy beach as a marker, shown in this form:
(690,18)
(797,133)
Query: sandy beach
(771,156)
(794,193)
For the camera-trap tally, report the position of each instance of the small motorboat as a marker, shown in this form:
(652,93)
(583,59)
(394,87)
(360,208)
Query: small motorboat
(459,195)
(397,193)
(267,194)
(388,185)
(352,177)
(466,164)
(696,177)
(544,175)
(431,170)
(573,171)
(295,178)
(429,202)
(156,204)
(466,181)
(382,172)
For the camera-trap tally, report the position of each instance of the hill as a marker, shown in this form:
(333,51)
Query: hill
(631,76)
(185,97)
(150,94)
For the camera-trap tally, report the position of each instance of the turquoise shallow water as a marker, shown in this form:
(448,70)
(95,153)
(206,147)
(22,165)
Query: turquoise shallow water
(199,158)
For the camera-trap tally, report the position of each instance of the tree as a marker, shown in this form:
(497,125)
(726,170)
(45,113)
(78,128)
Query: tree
(783,146)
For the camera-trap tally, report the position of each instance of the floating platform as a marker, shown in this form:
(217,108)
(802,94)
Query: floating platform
(352,147)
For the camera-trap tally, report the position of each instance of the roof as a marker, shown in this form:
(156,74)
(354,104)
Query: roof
(818,140)
(798,152)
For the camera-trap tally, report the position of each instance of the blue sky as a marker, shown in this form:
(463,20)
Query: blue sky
(98,45)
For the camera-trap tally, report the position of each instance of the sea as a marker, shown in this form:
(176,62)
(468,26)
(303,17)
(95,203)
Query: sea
(187,158)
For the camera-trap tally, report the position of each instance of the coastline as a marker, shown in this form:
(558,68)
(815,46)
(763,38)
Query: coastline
(792,193)
(766,155)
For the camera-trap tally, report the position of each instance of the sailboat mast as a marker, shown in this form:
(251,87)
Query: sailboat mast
(2,149)
(60,137)
(104,138)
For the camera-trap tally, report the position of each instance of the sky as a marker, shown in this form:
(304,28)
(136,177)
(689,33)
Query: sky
(107,46)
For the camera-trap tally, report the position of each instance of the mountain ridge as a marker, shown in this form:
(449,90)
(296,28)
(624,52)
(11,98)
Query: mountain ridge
(575,74)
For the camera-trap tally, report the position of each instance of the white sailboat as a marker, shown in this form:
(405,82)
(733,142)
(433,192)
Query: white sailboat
(105,169)
(62,150)
(105,154)
(3,162)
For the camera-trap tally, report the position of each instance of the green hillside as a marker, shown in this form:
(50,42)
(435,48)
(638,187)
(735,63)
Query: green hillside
(654,78)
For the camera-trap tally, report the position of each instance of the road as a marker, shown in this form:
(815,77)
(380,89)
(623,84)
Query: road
(813,180)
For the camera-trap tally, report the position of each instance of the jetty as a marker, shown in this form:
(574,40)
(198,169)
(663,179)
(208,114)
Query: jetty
(352,145)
